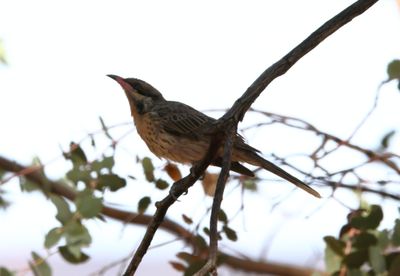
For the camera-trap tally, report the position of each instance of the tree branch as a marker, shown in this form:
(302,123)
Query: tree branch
(237,111)
(240,107)
(170,226)
(177,189)
(211,264)
(383,157)
(280,67)
(63,190)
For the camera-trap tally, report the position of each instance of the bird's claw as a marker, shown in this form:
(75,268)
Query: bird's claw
(173,192)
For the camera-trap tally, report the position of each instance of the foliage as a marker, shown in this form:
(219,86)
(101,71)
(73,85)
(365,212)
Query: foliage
(97,177)
(90,179)
(2,53)
(393,71)
(362,249)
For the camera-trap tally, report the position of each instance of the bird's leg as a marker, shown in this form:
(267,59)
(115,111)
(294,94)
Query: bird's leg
(174,190)
(192,170)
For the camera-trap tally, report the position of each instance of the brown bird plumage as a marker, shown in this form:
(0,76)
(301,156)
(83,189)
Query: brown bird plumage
(174,131)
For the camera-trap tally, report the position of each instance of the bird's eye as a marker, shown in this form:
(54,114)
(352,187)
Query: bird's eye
(137,86)
(140,107)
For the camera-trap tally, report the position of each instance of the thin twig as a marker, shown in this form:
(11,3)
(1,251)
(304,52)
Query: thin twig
(374,106)
(236,114)
(40,167)
(301,124)
(140,219)
(240,107)
(279,68)
(210,266)
(177,189)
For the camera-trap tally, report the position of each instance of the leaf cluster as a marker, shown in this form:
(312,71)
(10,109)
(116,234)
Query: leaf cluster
(189,263)
(362,249)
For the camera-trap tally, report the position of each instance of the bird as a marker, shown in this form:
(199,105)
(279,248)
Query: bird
(175,131)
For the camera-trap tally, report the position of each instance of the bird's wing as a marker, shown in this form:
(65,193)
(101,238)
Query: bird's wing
(240,144)
(235,166)
(185,121)
(182,120)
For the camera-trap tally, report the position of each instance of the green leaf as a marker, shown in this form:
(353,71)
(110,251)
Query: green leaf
(187,257)
(356,259)
(194,267)
(337,246)
(206,231)
(3,203)
(39,266)
(376,259)
(2,60)
(148,169)
(394,269)
(375,217)
(230,233)
(178,266)
(76,155)
(75,250)
(5,272)
(370,221)
(222,216)
(354,272)
(396,233)
(77,174)
(393,69)
(111,181)
(250,184)
(200,242)
(2,173)
(105,163)
(88,205)
(63,212)
(143,204)
(187,219)
(108,162)
(27,185)
(333,261)
(53,237)
(385,142)
(383,239)
(77,234)
(68,256)
(391,257)
(162,184)
(364,240)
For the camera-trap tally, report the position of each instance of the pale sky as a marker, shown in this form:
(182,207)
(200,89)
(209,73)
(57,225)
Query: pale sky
(203,53)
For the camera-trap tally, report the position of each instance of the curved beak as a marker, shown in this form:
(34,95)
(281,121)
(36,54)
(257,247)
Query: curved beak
(122,82)
(132,95)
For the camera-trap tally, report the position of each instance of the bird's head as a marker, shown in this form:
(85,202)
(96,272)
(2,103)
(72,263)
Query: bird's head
(141,95)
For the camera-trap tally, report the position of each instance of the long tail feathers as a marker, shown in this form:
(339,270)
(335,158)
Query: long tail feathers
(265,164)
